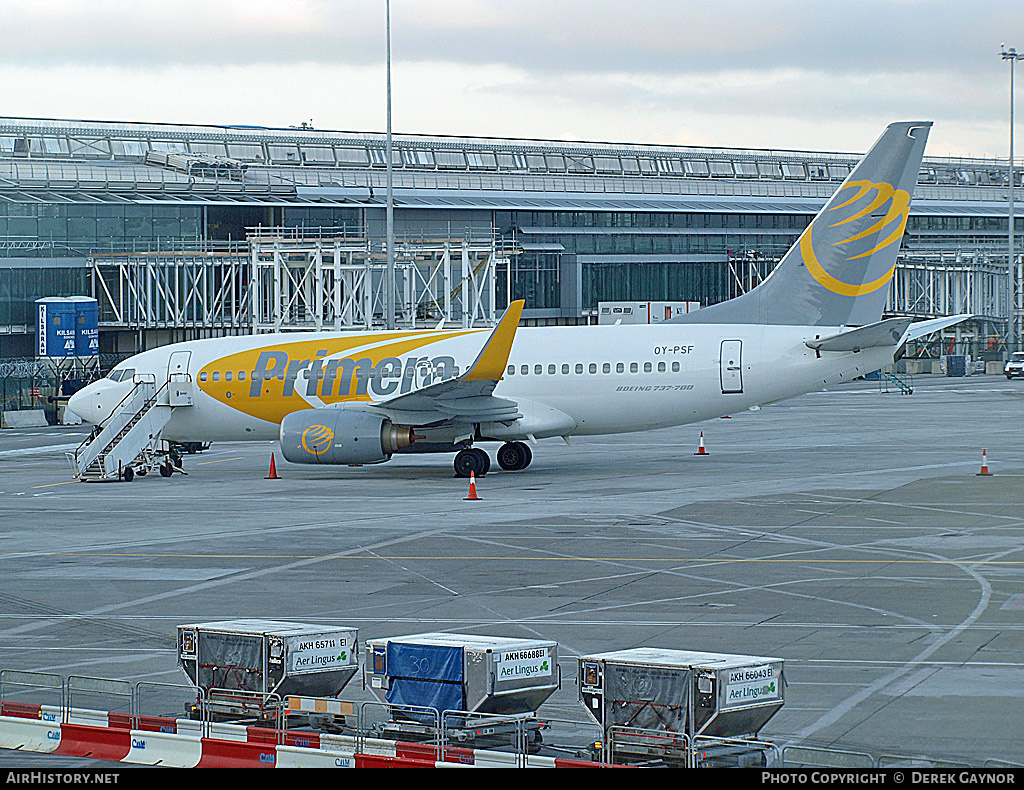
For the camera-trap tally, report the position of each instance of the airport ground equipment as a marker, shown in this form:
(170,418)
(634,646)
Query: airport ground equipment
(127,443)
(635,694)
(1014,365)
(472,676)
(260,658)
(642,312)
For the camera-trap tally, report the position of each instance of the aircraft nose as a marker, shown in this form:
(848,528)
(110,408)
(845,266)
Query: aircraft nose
(86,403)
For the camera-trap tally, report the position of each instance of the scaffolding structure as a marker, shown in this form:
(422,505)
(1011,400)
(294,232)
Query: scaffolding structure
(924,284)
(295,279)
(933,284)
(172,290)
(309,279)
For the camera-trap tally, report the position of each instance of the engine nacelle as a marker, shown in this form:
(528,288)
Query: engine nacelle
(341,436)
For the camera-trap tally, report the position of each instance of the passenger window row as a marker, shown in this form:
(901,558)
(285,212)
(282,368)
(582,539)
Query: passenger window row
(215,375)
(524,370)
(592,368)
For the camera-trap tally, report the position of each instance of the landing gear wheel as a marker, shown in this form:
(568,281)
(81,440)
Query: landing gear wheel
(127,474)
(472,460)
(514,456)
(166,470)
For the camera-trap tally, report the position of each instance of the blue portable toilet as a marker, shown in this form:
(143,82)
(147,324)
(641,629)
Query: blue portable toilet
(87,326)
(55,327)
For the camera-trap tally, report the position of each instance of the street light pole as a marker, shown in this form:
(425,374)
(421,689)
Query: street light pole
(389,274)
(1013,310)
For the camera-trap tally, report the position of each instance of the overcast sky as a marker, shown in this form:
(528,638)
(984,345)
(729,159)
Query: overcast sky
(821,75)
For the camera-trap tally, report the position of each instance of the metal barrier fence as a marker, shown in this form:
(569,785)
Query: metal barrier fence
(448,736)
(369,724)
(714,752)
(638,746)
(903,761)
(37,684)
(821,757)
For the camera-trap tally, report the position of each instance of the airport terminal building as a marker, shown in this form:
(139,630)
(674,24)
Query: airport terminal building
(192,231)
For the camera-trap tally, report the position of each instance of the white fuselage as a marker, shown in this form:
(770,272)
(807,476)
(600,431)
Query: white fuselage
(566,380)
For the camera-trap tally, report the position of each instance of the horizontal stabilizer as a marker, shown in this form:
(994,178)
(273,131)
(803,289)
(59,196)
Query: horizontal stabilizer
(922,328)
(884,333)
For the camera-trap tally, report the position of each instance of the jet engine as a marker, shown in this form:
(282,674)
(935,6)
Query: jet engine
(341,436)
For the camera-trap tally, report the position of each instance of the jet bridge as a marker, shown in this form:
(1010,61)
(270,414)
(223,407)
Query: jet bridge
(128,442)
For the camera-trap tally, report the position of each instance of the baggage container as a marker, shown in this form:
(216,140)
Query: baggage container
(269,656)
(696,694)
(956,365)
(464,672)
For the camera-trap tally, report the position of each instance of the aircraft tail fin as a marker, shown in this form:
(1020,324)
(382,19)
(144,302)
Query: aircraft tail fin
(838,271)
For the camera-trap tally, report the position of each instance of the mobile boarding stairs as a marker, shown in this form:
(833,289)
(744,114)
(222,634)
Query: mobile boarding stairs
(128,442)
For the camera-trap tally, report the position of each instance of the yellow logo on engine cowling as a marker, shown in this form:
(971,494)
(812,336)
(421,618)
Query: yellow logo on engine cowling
(317,439)
(877,194)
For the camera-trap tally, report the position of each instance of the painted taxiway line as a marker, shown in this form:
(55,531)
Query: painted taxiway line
(500,558)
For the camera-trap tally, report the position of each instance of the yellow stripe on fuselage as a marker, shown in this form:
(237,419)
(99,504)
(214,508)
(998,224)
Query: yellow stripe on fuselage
(337,369)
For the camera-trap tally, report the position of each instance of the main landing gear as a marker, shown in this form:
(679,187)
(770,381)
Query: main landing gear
(511,456)
(514,456)
(472,460)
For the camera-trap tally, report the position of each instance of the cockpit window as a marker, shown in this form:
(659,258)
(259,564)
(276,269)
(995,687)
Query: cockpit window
(124,374)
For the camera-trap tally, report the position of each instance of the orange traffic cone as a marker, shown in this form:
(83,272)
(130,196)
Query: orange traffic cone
(472,489)
(984,465)
(272,475)
(700,448)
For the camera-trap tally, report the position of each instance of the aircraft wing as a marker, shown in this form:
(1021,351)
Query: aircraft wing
(468,398)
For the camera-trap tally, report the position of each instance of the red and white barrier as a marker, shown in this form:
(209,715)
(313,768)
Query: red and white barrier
(99,743)
(29,735)
(167,749)
(181,743)
(297,757)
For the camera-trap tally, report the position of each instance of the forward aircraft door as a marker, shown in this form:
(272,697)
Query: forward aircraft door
(731,365)
(179,383)
(178,363)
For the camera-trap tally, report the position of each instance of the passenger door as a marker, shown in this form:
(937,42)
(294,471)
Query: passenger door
(178,363)
(732,366)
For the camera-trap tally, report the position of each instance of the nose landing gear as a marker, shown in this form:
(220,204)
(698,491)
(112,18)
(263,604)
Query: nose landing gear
(167,460)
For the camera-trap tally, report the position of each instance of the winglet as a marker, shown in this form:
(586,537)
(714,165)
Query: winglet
(490,362)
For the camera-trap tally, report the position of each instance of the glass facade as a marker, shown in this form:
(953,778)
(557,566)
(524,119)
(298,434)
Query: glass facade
(614,282)
(21,286)
(347,219)
(60,229)
(535,278)
(674,215)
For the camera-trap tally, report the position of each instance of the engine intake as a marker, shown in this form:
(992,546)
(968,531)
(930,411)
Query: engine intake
(341,436)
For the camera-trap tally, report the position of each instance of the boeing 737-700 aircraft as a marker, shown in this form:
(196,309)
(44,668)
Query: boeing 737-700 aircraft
(360,397)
